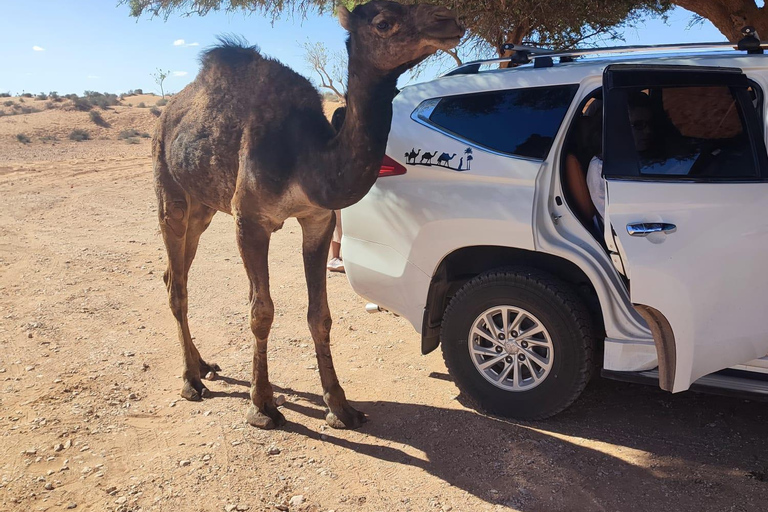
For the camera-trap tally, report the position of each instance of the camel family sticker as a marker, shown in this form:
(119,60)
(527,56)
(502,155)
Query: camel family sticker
(440,159)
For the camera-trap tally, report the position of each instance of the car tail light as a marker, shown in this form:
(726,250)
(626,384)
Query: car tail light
(391,168)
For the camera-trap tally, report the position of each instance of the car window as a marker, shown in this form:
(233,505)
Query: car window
(520,122)
(695,132)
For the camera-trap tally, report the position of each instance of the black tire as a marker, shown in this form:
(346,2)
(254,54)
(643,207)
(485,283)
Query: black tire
(557,306)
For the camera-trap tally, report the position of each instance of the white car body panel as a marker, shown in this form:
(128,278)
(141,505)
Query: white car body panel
(708,277)
(396,237)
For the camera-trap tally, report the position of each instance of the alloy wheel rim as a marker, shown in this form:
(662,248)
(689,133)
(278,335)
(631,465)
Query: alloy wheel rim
(511,348)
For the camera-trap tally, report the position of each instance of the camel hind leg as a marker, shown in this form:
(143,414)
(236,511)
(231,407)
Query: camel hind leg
(182,221)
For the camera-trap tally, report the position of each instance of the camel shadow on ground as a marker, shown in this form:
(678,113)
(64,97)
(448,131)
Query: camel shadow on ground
(620,447)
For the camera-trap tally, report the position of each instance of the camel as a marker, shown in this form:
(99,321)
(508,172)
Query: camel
(248,137)
(428,157)
(445,159)
(411,157)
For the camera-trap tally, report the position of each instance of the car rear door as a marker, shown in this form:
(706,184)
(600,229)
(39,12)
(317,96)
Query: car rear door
(685,168)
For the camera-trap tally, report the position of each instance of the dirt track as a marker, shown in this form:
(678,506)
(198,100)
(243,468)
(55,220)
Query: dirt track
(89,356)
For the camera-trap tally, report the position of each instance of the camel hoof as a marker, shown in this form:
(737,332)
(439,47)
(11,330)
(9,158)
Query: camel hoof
(261,420)
(194,392)
(347,418)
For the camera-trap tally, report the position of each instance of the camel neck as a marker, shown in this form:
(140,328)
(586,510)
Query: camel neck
(354,156)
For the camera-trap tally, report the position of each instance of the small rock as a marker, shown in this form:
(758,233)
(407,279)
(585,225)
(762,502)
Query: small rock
(86,470)
(29,335)
(230,508)
(49,472)
(273,450)
(128,353)
(85,448)
(144,367)
(133,396)
(72,504)
(64,468)
(323,437)
(58,447)
(282,508)
(67,444)
(207,413)
(206,457)
(112,490)
(236,442)
(121,500)
(296,500)
(280,400)
(242,508)
(183,463)
(49,486)
(29,368)
(172,404)
(30,451)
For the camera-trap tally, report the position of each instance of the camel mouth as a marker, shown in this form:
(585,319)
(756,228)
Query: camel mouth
(446,38)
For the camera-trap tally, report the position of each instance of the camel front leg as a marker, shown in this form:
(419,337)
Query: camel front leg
(253,240)
(318,231)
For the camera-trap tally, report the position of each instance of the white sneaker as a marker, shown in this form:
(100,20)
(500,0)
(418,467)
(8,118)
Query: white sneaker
(336,265)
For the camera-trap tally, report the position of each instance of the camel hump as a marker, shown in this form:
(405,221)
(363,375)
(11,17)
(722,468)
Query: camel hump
(232,51)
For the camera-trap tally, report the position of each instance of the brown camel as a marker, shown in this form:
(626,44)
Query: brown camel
(248,137)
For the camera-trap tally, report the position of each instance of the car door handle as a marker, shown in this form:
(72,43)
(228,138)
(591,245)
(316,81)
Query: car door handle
(646,228)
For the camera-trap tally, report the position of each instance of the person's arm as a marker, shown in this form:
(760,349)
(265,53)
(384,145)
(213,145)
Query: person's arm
(576,181)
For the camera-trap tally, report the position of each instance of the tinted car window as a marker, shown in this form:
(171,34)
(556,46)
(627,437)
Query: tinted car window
(520,122)
(696,132)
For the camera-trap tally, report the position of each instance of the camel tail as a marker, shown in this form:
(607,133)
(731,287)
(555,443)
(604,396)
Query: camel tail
(232,51)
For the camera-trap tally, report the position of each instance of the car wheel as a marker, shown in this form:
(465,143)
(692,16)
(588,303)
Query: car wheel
(518,343)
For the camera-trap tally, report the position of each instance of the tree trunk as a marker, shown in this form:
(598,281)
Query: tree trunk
(514,36)
(730,16)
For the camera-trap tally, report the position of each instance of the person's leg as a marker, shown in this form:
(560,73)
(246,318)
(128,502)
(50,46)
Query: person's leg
(336,264)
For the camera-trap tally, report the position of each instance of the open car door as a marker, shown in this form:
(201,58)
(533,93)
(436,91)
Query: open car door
(687,197)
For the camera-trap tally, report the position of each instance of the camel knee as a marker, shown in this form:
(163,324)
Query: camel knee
(320,324)
(173,215)
(262,314)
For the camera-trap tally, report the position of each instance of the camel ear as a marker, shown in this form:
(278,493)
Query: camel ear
(346,18)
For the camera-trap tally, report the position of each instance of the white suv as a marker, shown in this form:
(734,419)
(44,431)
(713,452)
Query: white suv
(472,232)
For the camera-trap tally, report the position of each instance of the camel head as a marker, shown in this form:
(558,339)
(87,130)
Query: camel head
(393,37)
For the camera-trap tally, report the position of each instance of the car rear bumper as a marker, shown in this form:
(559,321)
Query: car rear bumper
(381,275)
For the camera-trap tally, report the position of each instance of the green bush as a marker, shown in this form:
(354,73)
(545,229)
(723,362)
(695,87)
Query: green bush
(8,103)
(81,104)
(161,102)
(23,138)
(97,118)
(53,95)
(29,110)
(26,95)
(79,135)
(155,111)
(132,133)
(42,96)
(141,105)
(5,95)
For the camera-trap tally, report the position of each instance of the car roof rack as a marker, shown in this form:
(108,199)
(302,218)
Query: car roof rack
(543,57)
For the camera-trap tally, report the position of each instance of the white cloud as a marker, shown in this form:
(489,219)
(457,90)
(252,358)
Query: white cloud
(38,48)
(181,42)
(180,73)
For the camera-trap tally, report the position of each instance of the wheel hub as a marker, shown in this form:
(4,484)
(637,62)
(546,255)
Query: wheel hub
(511,348)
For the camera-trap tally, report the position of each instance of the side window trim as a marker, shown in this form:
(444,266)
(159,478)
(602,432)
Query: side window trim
(622,155)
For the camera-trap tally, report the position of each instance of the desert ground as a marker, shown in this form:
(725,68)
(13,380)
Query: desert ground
(90,412)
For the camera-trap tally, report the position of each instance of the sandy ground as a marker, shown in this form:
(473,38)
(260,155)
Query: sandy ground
(90,415)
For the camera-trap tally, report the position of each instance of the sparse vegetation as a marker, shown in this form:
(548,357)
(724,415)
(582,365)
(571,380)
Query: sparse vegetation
(98,119)
(29,110)
(132,133)
(155,111)
(8,103)
(5,95)
(161,102)
(141,105)
(49,105)
(24,139)
(160,77)
(132,92)
(48,138)
(81,104)
(53,95)
(42,96)
(132,140)
(26,95)
(79,135)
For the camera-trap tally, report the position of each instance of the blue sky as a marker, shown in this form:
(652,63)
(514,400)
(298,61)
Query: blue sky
(76,45)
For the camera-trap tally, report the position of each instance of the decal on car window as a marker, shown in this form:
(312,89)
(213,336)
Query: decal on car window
(440,159)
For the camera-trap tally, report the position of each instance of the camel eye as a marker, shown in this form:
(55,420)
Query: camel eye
(382,25)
